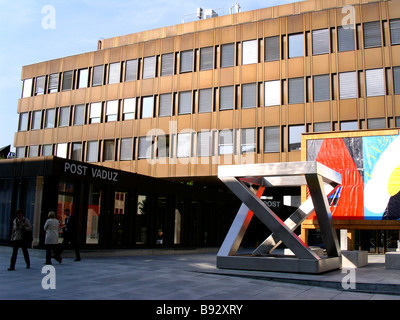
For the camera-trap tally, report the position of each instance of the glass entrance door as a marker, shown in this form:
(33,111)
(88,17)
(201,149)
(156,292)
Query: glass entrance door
(93,215)
(118,219)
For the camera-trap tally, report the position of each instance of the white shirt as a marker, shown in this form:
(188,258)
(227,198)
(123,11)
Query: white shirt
(52,227)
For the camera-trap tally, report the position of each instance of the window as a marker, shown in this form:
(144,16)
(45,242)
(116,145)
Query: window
(144,147)
(36,120)
(227,55)
(378,123)
(95,113)
(185,102)
(272,139)
(348,125)
(272,48)
(296,45)
(98,76)
(53,82)
(131,70)
(49,120)
(23,121)
(109,150)
(149,67)
(372,34)
(249,52)
(320,40)
(126,149)
(249,140)
(64,117)
(47,150)
(114,75)
(272,93)
(321,88)
(395,31)
(206,58)
(205,100)
(83,78)
(163,146)
(226,98)
(295,137)
(20,152)
(129,109)
(92,153)
(396,80)
(147,107)
(249,95)
(62,150)
(27,88)
(397,122)
(348,85)
(204,144)
(39,87)
(112,110)
(225,142)
(167,64)
(296,90)
(183,146)
(79,115)
(67,80)
(186,64)
(33,151)
(76,151)
(346,39)
(322,126)
(165,105)
(375,82)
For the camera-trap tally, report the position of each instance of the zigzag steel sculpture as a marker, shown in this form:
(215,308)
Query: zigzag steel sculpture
(240,179)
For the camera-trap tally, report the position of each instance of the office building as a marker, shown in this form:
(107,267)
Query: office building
(176,102)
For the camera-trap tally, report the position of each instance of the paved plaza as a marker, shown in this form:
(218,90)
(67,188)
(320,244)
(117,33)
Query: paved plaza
(183,275)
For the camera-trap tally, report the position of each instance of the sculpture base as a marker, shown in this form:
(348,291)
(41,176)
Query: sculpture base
(278,264)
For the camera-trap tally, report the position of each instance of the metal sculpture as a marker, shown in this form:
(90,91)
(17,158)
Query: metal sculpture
(248,183)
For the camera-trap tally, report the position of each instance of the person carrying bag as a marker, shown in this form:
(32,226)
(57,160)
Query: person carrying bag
(20,238)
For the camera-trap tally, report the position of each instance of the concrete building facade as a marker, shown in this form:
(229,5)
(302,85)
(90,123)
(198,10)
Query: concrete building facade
(179,101)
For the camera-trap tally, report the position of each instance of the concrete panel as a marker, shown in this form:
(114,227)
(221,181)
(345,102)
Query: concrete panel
(375,107)
(392,260)
(354,259)
(373,58)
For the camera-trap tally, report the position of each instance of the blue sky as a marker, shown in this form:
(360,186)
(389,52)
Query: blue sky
(79,26)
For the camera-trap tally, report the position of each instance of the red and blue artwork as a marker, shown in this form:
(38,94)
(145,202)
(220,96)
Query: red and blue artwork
(370,169)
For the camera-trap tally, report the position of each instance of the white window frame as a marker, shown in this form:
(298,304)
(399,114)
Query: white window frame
(112,110)
(272,93)
(249,52)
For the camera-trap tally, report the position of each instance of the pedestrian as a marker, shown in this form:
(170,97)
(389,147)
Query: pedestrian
(21,225)
(70,234)
(52,227)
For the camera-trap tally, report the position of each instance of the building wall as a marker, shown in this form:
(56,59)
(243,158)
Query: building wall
(296,111)
(113,209)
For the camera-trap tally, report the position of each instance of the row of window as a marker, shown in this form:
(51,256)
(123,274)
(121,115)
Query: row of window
(208,143)
(144,107)
(189,144)
(149,66)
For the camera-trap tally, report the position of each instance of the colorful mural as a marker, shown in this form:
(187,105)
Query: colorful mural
(370,168)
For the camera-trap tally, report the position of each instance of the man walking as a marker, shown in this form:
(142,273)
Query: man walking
(70,234)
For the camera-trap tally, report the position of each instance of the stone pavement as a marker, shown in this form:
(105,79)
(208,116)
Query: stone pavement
(184,276)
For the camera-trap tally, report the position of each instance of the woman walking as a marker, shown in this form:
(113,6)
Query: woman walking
(52,227)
